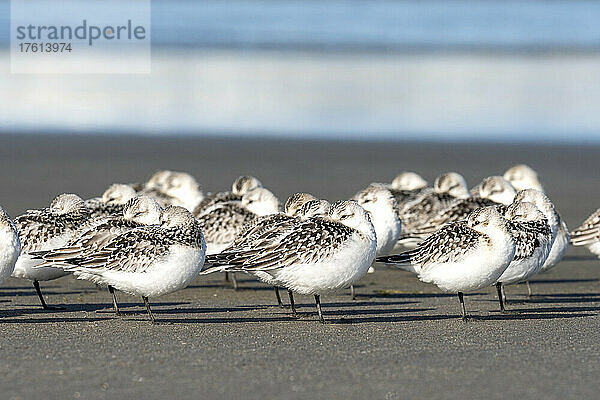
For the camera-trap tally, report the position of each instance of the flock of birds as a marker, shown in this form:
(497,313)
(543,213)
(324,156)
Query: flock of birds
(155,238)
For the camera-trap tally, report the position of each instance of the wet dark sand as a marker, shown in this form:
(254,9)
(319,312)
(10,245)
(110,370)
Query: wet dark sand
(400,339)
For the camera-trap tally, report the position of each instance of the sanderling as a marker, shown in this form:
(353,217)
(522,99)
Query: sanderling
(138,211)
(222,222)
(149,261)
(382,207)
(174,188)
(254,234)
(588,234)
(533,239)
(462,256)
(523,177)
(10,246)
(241,186)
(317,255)
(383,210)
(112,202)
(492,191)
(496,189)
(47,229)
(406,186)
(275,225)
(447,189)
(559,228)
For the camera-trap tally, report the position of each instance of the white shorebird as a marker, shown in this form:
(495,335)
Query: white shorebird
(523,177)
(492,191)
(10,246)
(588,234)
(223,222)
(448,188)
(558,226)
(496,189)
(112,202)
(47,229)
(139,211)
(462,256)
(257,234)
(174,188)
(533,239)
(383,210)
(149,261)
(317,255)
(382,207)
(241,186)
(406,186)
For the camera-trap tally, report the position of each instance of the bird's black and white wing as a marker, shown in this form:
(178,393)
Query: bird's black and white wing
(404,196)
(310,241)
(211,199)
(451,243)
(39,228)
(133,251)
(222,222)
(527,236)
(262,231)
(415,213)
(459,210)
(588,232)
(100,209)
(90,241)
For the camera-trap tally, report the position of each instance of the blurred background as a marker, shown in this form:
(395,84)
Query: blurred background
(390,70)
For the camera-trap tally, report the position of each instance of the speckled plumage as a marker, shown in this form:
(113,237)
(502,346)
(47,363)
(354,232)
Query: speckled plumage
(457,211)
(10,246)
(308,241)
(588,233)
(138,249)
(149,261)
(38,228)
(223,222)
(526,236)
(311,255)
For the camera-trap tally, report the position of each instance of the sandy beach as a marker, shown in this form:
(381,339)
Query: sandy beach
(399,339)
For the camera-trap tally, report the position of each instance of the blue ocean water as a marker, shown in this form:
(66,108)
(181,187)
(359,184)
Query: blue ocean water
(376,24)
(443,70)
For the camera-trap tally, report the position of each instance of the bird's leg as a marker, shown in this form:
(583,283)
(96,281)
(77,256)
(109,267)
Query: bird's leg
(279,302)
(504,295)
(234,281)
(36,285)
(318,301)
(500,293)
(352,293)
(292,304)
(149,310)
(529,291)
(226,276)
(111,290)
(462,303)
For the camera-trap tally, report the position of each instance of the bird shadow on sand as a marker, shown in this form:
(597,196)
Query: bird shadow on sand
(549,298)
(572,310)
(99,308)
(51,320)
(228,285)
(528,314)
(554,281)
(25,291)
(415,295)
